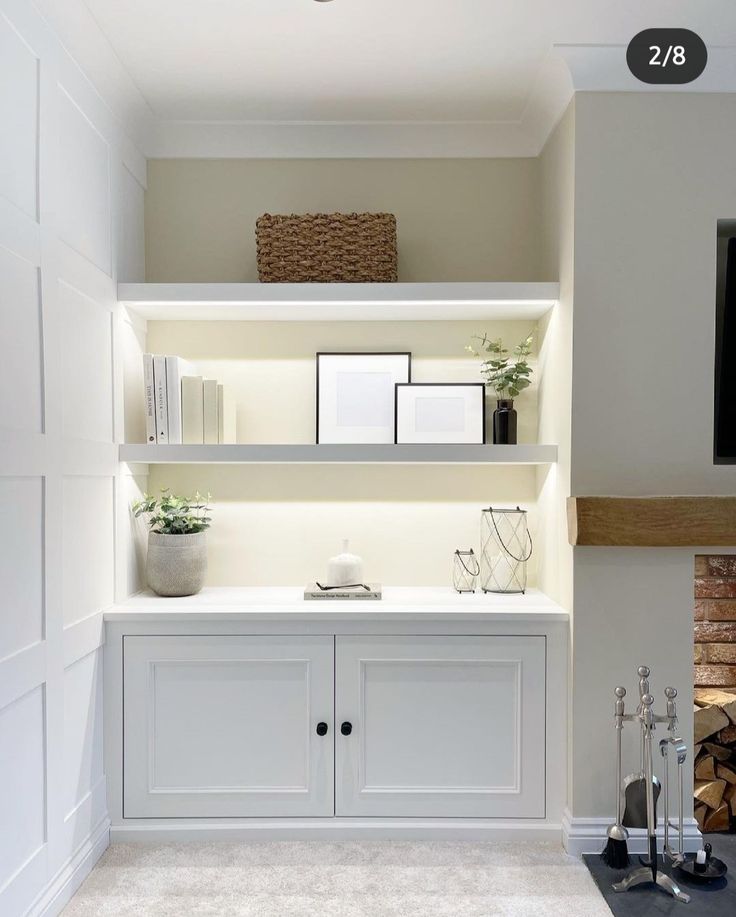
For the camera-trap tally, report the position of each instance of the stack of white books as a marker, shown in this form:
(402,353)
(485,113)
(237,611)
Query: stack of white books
(183,407)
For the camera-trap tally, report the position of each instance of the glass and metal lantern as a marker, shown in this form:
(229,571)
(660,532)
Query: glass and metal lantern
(465,570)
(506,546)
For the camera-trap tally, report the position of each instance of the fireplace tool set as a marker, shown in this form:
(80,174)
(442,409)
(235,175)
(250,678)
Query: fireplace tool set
(637,797)
(639,792)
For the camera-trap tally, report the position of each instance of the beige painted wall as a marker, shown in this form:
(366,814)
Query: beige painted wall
(648,199)
(467,219)
(653,173)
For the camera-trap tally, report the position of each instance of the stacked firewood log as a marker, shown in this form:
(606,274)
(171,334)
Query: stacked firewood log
(715,759)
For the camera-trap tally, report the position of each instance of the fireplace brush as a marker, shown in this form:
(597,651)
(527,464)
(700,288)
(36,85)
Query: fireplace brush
(616,851)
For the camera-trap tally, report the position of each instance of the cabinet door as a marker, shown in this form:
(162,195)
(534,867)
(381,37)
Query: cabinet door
(227,726)
(441,726)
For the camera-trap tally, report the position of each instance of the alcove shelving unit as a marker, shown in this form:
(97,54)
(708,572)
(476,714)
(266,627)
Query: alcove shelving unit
(273,528)
(339,302)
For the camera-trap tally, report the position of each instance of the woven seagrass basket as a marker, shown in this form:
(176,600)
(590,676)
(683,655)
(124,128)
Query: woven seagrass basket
(327,248)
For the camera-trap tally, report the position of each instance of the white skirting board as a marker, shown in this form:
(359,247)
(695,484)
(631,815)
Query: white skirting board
(588,835)
(337,829)
(59,892)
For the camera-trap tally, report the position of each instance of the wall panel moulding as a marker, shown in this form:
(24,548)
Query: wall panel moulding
(649,522)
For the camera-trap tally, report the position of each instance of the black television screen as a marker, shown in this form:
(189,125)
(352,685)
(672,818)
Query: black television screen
(725,388)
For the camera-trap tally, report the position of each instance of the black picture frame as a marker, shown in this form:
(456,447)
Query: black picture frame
(355,353)
(475,385)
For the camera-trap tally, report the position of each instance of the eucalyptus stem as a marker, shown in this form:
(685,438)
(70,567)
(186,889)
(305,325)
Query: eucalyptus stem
(501,372)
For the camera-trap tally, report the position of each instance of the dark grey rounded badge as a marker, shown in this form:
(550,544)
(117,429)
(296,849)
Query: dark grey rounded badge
(667,56)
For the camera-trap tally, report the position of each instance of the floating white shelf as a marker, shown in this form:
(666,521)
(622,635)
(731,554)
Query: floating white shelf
(328,454)
(334,302)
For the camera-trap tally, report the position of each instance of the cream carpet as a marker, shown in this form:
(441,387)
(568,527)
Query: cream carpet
(302,879)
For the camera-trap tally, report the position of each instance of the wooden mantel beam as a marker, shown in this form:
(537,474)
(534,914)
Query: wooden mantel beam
(651,522)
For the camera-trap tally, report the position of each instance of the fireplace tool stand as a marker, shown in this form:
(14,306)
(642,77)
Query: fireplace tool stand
(647,719)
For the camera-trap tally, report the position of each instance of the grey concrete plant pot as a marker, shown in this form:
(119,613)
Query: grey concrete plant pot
(176,564)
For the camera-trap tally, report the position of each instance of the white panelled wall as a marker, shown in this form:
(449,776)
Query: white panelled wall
(71,222)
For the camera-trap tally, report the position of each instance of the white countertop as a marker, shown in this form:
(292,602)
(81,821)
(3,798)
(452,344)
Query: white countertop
(286,603)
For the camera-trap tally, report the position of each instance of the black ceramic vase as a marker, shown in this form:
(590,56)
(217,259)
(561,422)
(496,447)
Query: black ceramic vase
(504,422)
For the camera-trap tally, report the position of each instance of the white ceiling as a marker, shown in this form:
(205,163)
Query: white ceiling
(366,60)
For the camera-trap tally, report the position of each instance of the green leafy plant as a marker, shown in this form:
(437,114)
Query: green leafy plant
(507,374)
(172,515)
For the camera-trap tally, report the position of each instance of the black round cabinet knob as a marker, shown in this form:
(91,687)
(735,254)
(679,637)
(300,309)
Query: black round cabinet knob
(321,729)
(346,728)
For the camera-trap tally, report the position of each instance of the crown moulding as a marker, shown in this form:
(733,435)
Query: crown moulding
(566,69)
(652,522)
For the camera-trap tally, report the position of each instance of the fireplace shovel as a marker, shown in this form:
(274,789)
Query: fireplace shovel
(635,795)
(635,785)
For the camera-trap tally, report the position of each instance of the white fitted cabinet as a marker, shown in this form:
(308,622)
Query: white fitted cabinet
(227,726)
(248,713)
(440,726)
(253,726)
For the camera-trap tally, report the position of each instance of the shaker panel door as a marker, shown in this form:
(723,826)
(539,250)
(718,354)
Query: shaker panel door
(227,726)
(440,726)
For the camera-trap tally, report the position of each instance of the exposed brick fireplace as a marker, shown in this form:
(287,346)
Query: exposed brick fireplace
(715,621)
(715,691)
